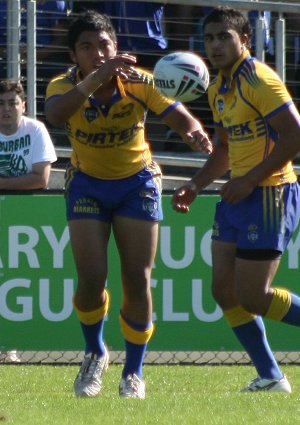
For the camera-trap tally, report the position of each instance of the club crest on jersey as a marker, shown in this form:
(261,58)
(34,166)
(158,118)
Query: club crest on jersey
(91,114)
(220,105)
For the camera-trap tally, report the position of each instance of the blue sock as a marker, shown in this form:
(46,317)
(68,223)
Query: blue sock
(252,336)
(93,335)
(293,315)
(134,352)
(134,359)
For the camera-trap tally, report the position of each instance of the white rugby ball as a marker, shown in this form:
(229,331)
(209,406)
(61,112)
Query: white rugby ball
(181,75)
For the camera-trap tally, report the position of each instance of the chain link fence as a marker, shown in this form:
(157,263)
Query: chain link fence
(152,357)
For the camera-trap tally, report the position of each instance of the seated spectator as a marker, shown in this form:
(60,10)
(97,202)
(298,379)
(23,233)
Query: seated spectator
(23,165)
(139,26)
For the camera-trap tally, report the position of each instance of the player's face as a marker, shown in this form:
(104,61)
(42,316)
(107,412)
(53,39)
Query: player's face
(91,49)
(12,108)
(223,46)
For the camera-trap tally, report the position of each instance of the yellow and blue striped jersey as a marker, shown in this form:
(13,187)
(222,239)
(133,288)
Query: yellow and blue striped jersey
(108,141)
(242,108)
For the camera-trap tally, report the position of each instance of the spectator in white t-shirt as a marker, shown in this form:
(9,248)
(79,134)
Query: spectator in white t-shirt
(26,149)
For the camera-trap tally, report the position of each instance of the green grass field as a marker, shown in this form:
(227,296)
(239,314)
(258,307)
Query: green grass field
(206,395)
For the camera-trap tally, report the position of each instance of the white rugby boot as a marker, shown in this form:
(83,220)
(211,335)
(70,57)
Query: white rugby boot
(88,382)
(261,384)
(132,387)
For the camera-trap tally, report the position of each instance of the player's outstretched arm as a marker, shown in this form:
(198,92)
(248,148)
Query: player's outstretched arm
(189,129)
(216,166)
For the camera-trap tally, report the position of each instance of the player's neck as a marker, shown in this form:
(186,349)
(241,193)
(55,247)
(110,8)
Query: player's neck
(105,92)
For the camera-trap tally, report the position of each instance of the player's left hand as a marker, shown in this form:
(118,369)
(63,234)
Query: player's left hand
(183,197)
(236,189)
(199,141)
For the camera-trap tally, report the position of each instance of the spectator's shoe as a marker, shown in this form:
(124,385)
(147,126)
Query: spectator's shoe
(132,387)
(260,384)
(89,379)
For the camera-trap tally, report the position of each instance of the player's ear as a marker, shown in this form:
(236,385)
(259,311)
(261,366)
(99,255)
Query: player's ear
(244,41)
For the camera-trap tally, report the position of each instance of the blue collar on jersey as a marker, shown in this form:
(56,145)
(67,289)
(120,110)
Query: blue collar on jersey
(236,69)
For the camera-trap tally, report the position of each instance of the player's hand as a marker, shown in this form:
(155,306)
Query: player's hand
(183,197)
(199,141)
(236,189)
(121,65)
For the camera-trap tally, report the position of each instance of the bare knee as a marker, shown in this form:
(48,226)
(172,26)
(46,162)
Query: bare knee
(255,302)
(89,294)
(136,281)
(136,289)
(137,300)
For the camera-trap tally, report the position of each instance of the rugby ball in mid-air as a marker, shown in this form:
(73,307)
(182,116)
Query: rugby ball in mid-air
(181,75)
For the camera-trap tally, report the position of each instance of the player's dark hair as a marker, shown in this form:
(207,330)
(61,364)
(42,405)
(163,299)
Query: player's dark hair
(89,20)
(12,85)
(233,18)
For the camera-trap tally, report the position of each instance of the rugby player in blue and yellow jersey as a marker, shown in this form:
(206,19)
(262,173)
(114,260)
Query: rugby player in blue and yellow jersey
(112,184)
(258,135)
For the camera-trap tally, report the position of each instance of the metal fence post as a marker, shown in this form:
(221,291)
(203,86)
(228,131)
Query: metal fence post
(13,38)
(259,38)
(31,58)
(280,46)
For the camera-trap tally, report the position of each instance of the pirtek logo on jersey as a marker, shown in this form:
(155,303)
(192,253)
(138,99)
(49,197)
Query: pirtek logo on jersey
(106,139)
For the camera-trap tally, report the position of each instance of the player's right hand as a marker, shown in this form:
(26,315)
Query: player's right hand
(183,197)
(121,65)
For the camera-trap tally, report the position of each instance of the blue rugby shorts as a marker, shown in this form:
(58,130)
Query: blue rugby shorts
(265,219)
(137,196)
